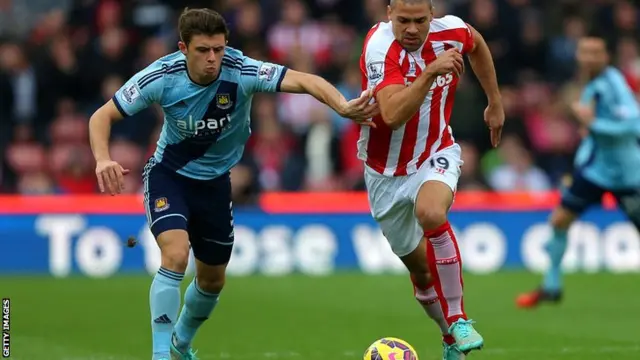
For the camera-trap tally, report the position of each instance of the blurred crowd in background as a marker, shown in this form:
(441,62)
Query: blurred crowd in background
(61,60)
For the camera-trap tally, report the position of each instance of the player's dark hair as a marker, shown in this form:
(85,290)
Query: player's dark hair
(597,32)
(411,2)
(201,22)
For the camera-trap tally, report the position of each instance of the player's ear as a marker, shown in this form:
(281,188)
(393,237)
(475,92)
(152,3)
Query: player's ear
(183,47)
(389,12)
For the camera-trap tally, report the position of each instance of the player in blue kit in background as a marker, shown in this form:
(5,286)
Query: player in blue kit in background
(205,90)
(608,159)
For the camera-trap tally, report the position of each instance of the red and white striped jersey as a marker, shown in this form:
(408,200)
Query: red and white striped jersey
(385,62)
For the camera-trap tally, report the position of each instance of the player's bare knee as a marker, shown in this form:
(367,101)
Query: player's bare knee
(211,284)
(430,218)
(175,257)
(174,249)
(561,218)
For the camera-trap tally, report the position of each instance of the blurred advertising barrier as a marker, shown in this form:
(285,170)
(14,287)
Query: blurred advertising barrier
(315,234)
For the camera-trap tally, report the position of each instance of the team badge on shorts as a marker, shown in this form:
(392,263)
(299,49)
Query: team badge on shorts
(161,204)
(223,101)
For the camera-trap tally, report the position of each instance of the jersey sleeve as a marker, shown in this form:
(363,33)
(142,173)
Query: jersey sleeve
(451,28)
(382,66)
(260,76)
(467,39)
(141,90)
(621,114)
(589,95)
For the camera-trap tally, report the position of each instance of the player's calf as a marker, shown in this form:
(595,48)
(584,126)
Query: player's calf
(423,287)
(416,263)
(446,266)
(164,295)
(200,299)
(560,220)
(432,204)
(551,290)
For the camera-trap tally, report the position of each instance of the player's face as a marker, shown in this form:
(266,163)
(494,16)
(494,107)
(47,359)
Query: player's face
(592,55)
(410,22)
(204,54)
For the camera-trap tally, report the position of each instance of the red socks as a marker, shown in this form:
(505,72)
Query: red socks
(445,265)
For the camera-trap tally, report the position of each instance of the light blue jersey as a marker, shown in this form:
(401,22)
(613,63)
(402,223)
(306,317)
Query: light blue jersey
(610,155)
(205,127)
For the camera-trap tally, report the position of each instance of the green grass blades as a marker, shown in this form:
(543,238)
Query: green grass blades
(335,317)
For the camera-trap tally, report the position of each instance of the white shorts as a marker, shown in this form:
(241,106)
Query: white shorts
(392,199)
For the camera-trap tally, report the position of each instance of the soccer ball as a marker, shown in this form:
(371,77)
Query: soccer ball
(390,349)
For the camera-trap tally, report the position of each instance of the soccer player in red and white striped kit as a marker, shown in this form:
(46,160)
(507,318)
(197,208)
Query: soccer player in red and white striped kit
(413,64)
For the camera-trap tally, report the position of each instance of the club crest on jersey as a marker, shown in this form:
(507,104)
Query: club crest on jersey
(223,101)
(161,204)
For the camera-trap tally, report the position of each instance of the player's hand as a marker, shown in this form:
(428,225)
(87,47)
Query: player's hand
(110,176)
(583,112)
(494,118)
(448,62)
(361,110)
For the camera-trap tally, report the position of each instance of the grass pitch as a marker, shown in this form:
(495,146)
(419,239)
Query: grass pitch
(335,317)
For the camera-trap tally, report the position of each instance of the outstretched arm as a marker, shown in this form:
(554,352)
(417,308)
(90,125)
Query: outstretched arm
(297,82)
(260,76)
(359,109)
(482,65)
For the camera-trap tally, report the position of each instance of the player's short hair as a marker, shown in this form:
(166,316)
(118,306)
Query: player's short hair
(393,2)
(596,32)
(201,22)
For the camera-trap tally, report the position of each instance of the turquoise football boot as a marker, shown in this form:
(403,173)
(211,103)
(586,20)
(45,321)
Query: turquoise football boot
(451,352)
(177,355)
(467,338)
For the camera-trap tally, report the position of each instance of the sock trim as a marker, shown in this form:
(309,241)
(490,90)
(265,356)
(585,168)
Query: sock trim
(440,230)
(454,318)
(202,292)
(170,274)
(448,339)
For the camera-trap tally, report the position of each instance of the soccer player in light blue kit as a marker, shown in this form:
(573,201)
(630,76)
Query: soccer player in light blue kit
(205,90)
(608,159)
